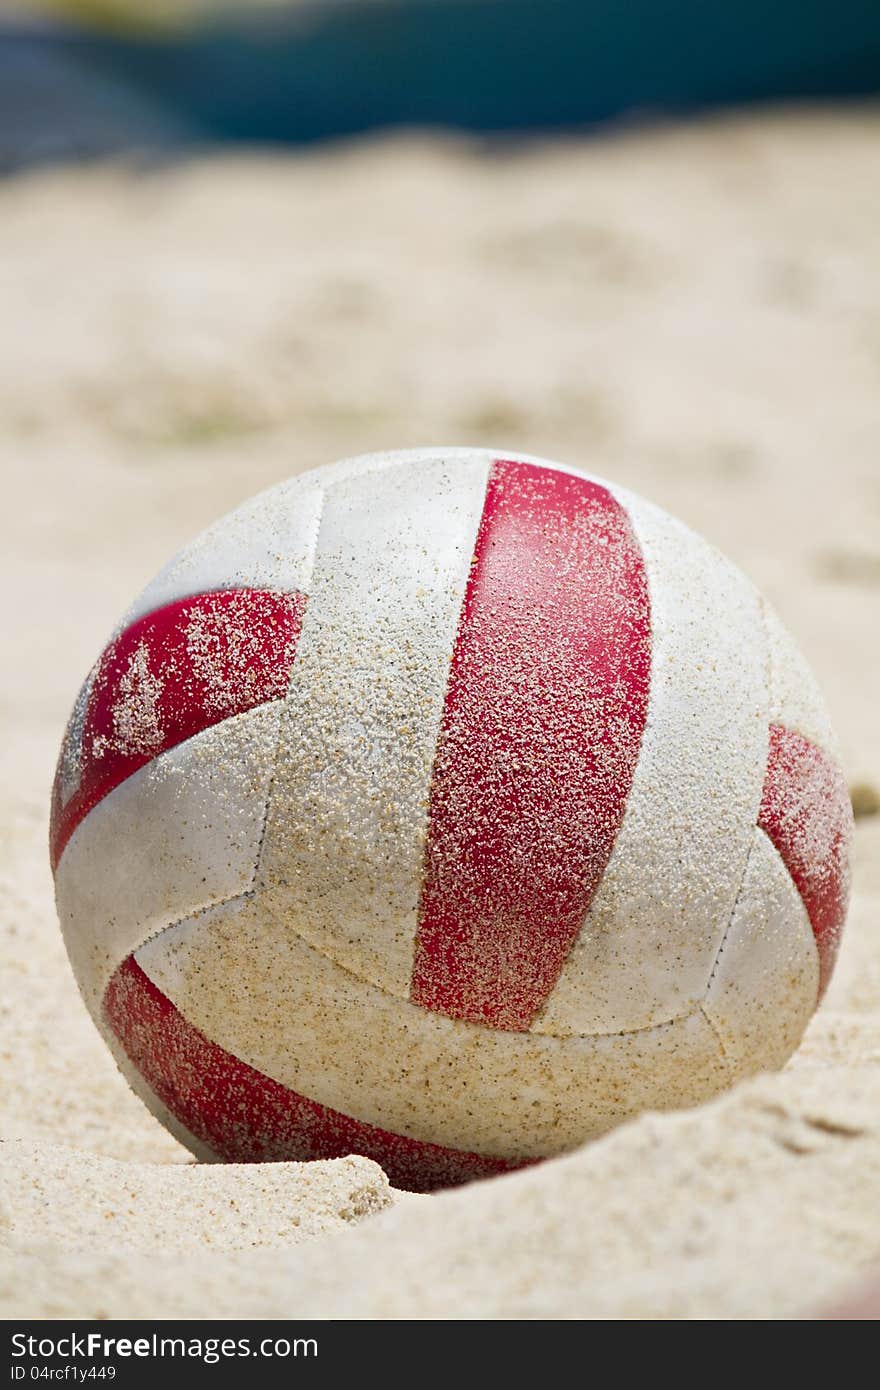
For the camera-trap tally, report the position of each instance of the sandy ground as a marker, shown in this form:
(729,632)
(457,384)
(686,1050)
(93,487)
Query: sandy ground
(694,312)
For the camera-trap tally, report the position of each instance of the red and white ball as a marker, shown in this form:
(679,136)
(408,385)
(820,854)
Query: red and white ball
(449,809)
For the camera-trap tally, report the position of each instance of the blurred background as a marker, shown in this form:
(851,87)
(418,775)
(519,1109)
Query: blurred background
(241,240)
(88,76)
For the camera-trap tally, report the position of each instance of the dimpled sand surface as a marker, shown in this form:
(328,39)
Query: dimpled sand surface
(694,313)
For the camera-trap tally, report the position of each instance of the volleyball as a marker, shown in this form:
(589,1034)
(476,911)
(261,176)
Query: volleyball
(446,807)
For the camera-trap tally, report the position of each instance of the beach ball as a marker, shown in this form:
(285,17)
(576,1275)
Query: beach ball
(449,808)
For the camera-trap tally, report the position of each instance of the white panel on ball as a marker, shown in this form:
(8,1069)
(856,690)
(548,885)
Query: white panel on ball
(766,978)
(182,832)
(795,701)
(264,995)
(70,761)
(343,857)
(267,543)
(664,902)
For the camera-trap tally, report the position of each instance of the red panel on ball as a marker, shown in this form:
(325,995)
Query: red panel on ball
(543,719)
(806,812)
(245,1117)
(170,675)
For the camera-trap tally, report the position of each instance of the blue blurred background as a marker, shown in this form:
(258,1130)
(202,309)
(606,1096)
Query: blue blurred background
(89,77)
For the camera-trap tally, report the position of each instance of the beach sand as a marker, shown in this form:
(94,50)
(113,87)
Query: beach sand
(693,312)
